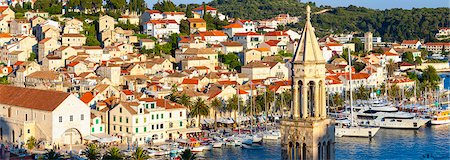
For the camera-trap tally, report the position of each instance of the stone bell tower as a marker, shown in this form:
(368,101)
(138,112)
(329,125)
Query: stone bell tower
(308,133)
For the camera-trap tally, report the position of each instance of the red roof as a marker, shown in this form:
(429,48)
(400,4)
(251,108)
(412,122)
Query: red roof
(163,103)
(437,44)
(87,97)
(72,64)
(333,80)
(247,34)
(127,92)
(390,54)
(162,21)
(272,42)
(212,33)
(152,11)
(276,33)
(357,76)
(410,41)
(240,91)
(208,8)
(190,81)
(406,64)
(227,82)
(333,44)
(234,25)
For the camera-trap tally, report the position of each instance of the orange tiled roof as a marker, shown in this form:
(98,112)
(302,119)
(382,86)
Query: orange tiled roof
(161,21)
(272,42)
(196,20)
(276,33)
(247,34)
(31,98)
(208,8)
(190,81)
(152,11)
(212,33)
(87,97)
(410,41)
(234,25)
(127,92)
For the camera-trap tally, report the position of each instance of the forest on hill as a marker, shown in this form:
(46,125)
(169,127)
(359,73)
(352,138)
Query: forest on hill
(390,24)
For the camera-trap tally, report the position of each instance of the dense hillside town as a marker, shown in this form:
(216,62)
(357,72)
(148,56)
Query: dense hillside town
(138,76)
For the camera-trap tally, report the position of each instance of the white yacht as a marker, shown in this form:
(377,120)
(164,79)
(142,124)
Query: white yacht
(345,129)
(376,104)
(403,120)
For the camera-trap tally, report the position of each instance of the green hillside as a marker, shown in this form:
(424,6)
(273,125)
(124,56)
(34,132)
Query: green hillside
(392,24)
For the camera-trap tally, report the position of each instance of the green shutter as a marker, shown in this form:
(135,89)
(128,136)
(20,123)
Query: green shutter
(137,130)
(96,121)
(153,117)
(145,129)
(181,123)
(137,121)
(157,116)
(92,129)
(162,116)
(101,129)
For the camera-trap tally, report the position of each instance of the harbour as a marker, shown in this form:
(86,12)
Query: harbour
(428,141)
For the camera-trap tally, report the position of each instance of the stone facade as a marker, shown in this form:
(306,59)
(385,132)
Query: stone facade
(308,133)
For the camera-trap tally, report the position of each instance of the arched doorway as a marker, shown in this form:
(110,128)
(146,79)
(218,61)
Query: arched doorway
(72,136)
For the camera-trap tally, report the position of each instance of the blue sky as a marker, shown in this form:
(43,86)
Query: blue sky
(376,4)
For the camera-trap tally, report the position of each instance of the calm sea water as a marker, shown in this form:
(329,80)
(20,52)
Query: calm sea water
(428,141)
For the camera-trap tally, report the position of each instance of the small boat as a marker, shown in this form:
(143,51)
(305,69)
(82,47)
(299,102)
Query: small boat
(274,135)
(252,147)
(230,143)
(217,144)
(440,117)
(197,149)
(237,142)
(208,147)
(202,148)
(247,141)
(256,139)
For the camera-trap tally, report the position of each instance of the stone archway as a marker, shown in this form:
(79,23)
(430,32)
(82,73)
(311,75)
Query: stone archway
(72,136)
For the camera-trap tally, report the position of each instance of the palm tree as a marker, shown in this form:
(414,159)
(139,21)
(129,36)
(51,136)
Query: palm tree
(199,108)
(187,155)
(52,155)
(337,100)
(92,152)
(362,93)
(185,100)
(113,154)
(233,105)
(139,154)
(217,106)
(31,143)
(391,67)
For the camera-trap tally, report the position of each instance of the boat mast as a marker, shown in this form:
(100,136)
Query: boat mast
(251,107)
(350,86)
(239,109)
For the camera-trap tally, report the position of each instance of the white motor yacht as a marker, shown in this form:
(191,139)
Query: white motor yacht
(403,120)
(271,135)
(343,128)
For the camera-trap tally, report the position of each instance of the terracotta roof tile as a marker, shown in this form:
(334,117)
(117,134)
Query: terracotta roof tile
(196,20)
(31,98)
(208,8)
(190,81)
